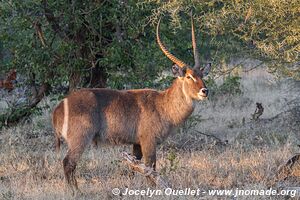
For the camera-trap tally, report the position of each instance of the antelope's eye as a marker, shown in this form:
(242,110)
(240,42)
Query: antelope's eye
(189,77)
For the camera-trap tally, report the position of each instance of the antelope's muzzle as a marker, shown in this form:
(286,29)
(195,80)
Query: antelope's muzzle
(203,93)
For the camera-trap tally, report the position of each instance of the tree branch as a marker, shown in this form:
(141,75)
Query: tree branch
(17,113)
(138,166)
(53,21)
(38,28)
(212,136)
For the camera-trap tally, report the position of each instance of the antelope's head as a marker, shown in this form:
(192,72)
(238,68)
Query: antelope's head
(191,77)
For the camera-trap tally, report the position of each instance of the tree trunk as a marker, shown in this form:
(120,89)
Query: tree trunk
(17,113)
(74,81)
(97,78)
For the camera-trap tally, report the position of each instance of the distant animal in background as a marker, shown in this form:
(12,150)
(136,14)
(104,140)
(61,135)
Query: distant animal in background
(140,118)
(258,111)
(8,82)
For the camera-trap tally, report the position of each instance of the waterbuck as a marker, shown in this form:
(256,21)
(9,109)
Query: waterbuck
(137,117)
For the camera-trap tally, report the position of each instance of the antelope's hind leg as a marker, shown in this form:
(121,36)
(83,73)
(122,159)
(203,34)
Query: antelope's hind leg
(96,141)
(76,147)
(69,164)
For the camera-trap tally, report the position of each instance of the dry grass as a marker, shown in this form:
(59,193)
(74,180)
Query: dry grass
(29,168)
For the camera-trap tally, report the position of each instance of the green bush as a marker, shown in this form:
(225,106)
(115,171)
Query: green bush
(230,87)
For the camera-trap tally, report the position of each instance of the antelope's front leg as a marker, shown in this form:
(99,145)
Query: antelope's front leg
(137,151)
(149,153)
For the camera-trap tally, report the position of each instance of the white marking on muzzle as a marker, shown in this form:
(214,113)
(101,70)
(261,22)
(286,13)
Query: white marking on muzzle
(201,97)
(65,127)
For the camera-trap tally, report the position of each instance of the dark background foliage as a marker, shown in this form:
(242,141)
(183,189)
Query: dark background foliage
(111,43)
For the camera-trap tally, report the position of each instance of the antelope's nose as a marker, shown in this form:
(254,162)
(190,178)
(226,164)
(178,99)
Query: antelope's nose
(204,91)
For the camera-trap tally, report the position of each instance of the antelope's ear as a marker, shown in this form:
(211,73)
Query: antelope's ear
(205,70)
(178,71)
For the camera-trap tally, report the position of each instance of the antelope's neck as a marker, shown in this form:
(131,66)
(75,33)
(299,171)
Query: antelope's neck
(176,105)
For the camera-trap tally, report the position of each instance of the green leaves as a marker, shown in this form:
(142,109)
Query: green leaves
(267,30)
(119,36)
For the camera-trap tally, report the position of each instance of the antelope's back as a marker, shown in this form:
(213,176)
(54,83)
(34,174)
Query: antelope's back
(112,114)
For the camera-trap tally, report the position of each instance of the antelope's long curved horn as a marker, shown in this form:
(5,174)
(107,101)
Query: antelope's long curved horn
(165,50)
(194,42)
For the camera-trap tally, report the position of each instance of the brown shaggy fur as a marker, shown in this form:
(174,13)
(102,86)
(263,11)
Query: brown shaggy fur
(141,118)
